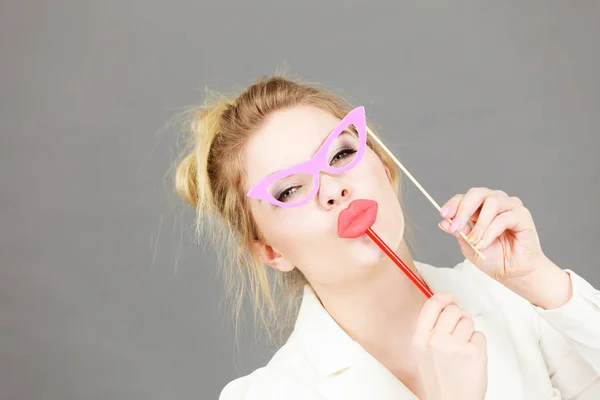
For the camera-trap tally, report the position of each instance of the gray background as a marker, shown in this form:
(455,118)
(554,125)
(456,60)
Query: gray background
(103,293)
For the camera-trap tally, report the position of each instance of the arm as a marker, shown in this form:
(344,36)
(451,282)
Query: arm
(567,303)
(567,308)
(569,330)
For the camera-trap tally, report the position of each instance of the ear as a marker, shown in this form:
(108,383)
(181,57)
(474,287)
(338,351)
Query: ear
(271,258)
(388,173)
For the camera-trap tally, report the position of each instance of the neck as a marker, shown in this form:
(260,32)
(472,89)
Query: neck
(379,312)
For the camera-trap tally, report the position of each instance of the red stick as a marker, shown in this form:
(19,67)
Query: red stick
(417,281)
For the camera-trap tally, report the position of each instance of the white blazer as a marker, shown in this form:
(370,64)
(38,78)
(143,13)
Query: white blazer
(532,353)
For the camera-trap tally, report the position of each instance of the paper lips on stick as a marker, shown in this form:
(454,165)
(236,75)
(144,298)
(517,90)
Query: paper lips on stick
(354,221)
(357,219)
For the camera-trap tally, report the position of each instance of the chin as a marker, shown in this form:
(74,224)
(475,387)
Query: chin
(389,227)
(365,253)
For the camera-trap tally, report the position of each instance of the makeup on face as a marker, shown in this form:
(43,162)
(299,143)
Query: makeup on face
(340,152)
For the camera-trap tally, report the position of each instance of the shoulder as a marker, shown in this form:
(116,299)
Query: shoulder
(267,384)
(287,376)
(251,386)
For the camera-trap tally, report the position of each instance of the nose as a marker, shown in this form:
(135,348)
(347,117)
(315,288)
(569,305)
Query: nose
(333,191)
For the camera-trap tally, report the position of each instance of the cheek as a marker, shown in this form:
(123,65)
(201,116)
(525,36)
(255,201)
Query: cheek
(371,172)
(297,231)
(390,222)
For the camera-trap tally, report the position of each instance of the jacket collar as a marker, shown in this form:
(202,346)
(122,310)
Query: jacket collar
(349,372)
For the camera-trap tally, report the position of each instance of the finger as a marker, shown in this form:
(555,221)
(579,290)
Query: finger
(445,226)
(448,319)
(431,311)
(449,209)
(516,220)
(492,206)
(464,329)
(479,340)
(472,200)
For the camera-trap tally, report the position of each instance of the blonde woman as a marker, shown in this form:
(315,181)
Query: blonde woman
(511,326)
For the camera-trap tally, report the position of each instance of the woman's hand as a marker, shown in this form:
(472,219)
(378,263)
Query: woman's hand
(503,230)
(451,356)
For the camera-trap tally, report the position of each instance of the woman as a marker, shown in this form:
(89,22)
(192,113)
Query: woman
(512,326)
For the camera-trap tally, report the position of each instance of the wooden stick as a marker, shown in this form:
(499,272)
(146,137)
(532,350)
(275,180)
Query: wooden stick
(436,205)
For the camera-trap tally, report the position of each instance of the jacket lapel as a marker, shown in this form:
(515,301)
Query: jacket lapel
(347,371)
(365,379)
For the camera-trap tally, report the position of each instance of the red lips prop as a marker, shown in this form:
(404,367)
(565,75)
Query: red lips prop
(357,219)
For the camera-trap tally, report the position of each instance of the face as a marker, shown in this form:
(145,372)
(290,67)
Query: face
(306,237)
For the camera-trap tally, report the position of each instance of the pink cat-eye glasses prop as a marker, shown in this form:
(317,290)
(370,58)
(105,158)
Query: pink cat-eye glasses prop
(304,177)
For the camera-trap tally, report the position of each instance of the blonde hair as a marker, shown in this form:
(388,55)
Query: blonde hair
(211,175)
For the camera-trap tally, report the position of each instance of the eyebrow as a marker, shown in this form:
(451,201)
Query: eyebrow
(344,131)
(324,140)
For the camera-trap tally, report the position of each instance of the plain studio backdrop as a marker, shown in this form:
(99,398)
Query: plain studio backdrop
(103,292)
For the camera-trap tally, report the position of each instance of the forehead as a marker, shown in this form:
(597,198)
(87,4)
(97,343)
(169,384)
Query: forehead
(286,138)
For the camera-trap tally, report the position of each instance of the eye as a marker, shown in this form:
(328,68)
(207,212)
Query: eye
(287,193)
(342,154)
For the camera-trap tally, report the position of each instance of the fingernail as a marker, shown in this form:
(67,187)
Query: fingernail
(472,237)
(445,211)
(455,225)
(479,245)
(444,225)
